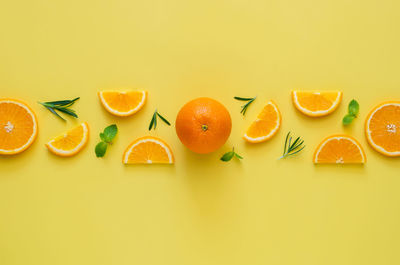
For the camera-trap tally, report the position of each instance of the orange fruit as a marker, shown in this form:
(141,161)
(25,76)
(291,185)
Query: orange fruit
(203,125)
(148,150)
(382,128)
(71,142)
(123,103)
(316,103)
(266,125)
(339,149)
(18,126)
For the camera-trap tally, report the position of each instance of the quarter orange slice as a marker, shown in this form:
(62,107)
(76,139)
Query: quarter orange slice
(266,125)
(316,103)
(339,149)
(18,126)
(382,128)
(123,103)
(148,150)
(71,142)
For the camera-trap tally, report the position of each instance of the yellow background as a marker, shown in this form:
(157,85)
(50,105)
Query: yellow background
(86,210)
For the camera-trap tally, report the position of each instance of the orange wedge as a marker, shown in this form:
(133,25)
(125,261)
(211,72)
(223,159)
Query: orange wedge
(382,128)
(266,125)
(316,103)
(71,142)
(148,150)
(18,126)
(123,103)
(339,149)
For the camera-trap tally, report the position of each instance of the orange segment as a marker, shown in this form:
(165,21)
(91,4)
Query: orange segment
(123,103)
(148,150)
(382,128)
(339,149)
(316,103)
(18,126)
(71,142)
(265,126)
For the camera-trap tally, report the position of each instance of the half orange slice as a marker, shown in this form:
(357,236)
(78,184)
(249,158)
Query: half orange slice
(339,149)
(123,103)
(18,126)
(382,128)
(316,103)
(71,142)
(266,125)
(148,150)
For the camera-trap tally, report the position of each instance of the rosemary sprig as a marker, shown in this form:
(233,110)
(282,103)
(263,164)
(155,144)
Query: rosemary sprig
(292,148)
(153,122)
(245,106)
(61,106)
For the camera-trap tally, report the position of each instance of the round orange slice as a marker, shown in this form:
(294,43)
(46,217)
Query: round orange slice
(339,149)
(18,126)
(265,126)
(382,128)
(123,103)
(316,103)
(148,150)
(71,142)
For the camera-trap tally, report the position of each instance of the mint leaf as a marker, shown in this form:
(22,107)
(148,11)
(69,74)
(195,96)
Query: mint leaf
(238,156)
(109,133)
(101,149)
(354,107)
(227,156)
(348,119)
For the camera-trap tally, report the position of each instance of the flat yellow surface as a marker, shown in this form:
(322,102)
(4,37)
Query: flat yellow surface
(86,210)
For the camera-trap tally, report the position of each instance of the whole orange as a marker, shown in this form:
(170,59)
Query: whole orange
(203,125)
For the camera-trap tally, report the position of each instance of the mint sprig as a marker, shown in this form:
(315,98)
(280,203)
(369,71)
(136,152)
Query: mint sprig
(353,110)
(107,136)
(229,155)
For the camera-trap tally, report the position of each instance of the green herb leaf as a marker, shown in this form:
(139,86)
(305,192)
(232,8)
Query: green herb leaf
(290,148)
(101,149)
(354,107)
(61,106)
(245,106)
(229,155)
(109,133)
(348,119)
(153,122)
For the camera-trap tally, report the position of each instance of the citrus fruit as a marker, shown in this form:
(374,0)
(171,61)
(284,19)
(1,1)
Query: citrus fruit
(71,142)
(148,150)
(123,103)
(266,125)
(316,103)
(339,149)
(382,128)
(203,125)
(18,126)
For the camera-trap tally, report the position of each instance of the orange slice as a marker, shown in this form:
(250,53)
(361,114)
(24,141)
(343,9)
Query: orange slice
(123,103)
(266,125)
(148,150)
(18,126)
(382,128)
(339,149)
(316,103)
(71,142)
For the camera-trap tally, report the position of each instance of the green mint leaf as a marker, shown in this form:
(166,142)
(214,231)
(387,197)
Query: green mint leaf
(101,149)
(109,133)
(102,136)
(348,119)
(238,156)
(227,156)
(354,107)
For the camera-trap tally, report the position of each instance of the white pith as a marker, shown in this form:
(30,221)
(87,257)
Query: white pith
(391,129)
(166,148)
(318,112)
(121,113)
(9,127)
